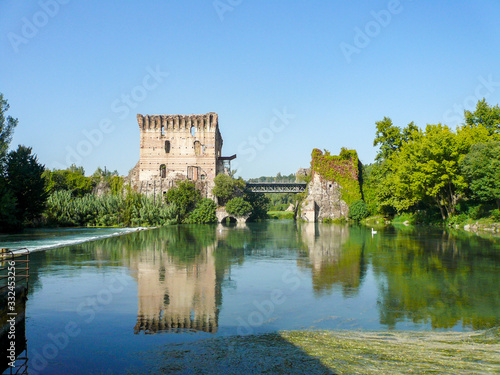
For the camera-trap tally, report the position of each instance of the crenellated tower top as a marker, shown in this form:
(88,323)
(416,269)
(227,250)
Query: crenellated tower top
(209,121)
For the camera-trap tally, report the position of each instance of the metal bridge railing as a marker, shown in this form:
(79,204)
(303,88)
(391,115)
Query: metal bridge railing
(14,266)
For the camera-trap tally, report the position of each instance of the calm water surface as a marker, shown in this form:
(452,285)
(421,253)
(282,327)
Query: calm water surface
(101,307)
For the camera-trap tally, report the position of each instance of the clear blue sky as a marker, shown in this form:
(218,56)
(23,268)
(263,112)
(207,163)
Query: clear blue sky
(68,68)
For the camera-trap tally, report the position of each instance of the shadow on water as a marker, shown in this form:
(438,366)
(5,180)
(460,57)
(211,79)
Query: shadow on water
(262,354)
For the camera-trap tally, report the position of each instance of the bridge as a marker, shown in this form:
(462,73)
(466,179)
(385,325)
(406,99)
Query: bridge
(277,187)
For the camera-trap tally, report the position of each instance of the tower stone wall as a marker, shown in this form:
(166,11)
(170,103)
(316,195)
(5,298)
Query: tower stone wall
(175,147)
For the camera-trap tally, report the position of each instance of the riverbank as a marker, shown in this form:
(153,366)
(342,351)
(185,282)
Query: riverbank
(336,352)
(485,225)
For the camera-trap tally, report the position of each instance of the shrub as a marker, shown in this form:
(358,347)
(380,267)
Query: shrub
(457,219)
(238,207)
(358,210)
(495,215)
(204,213)
(476,212)
(184,196)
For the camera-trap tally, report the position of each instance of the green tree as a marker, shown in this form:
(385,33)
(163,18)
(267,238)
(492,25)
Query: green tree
(185,196)
(358,211)
(377,188)
(259,202)
(484,115)
(7,199)
(481,168)
(238,206)
(7,126)
(24,174)
(428,168)
(226,187)
(391,138)
(8,203)
(204,213)
(69,179)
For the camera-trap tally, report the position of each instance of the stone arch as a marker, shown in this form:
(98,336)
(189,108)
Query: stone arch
(222,214)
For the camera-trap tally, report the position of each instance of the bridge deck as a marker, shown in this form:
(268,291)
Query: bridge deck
(277,187)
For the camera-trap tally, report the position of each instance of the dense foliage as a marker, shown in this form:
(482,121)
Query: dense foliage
(358,211)
(22,190)
(238,206)
(481,169)
(436,170)
(72,179)
(259,203)
(204,213)
(109,210)
(226,187)
(185,196)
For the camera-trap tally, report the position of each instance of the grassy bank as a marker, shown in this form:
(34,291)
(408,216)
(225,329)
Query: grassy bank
(336,352)
(280,214)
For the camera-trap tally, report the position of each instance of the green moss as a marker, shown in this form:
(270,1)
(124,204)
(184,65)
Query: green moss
(343,169)
(334,352)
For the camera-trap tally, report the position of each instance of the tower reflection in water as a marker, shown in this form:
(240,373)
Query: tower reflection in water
(173,297)
(179,286)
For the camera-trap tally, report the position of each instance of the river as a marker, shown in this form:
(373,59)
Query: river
(103,307)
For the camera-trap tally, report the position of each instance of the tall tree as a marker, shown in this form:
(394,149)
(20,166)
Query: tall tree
(7,198)
(391,138)
(24,176)
(484,115)
(481,167)
(7,125)
(428,168)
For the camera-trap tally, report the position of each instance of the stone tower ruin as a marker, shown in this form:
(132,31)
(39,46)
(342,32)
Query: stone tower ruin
(174,147)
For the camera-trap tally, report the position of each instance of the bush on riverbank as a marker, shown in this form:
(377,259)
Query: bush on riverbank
(289,215)
(109,210)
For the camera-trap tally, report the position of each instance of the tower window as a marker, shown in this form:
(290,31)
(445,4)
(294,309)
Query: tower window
(192,131)
(163,171)
(197,148)
(167,147)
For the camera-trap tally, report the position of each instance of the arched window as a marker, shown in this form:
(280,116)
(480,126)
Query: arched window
(163,171)
(167,147)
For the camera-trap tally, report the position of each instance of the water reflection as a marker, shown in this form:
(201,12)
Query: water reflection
(401,278)
(333,258)
(441,278)
(174,296)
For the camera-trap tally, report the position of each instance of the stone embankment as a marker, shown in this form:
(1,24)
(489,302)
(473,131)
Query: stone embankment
(477,227)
